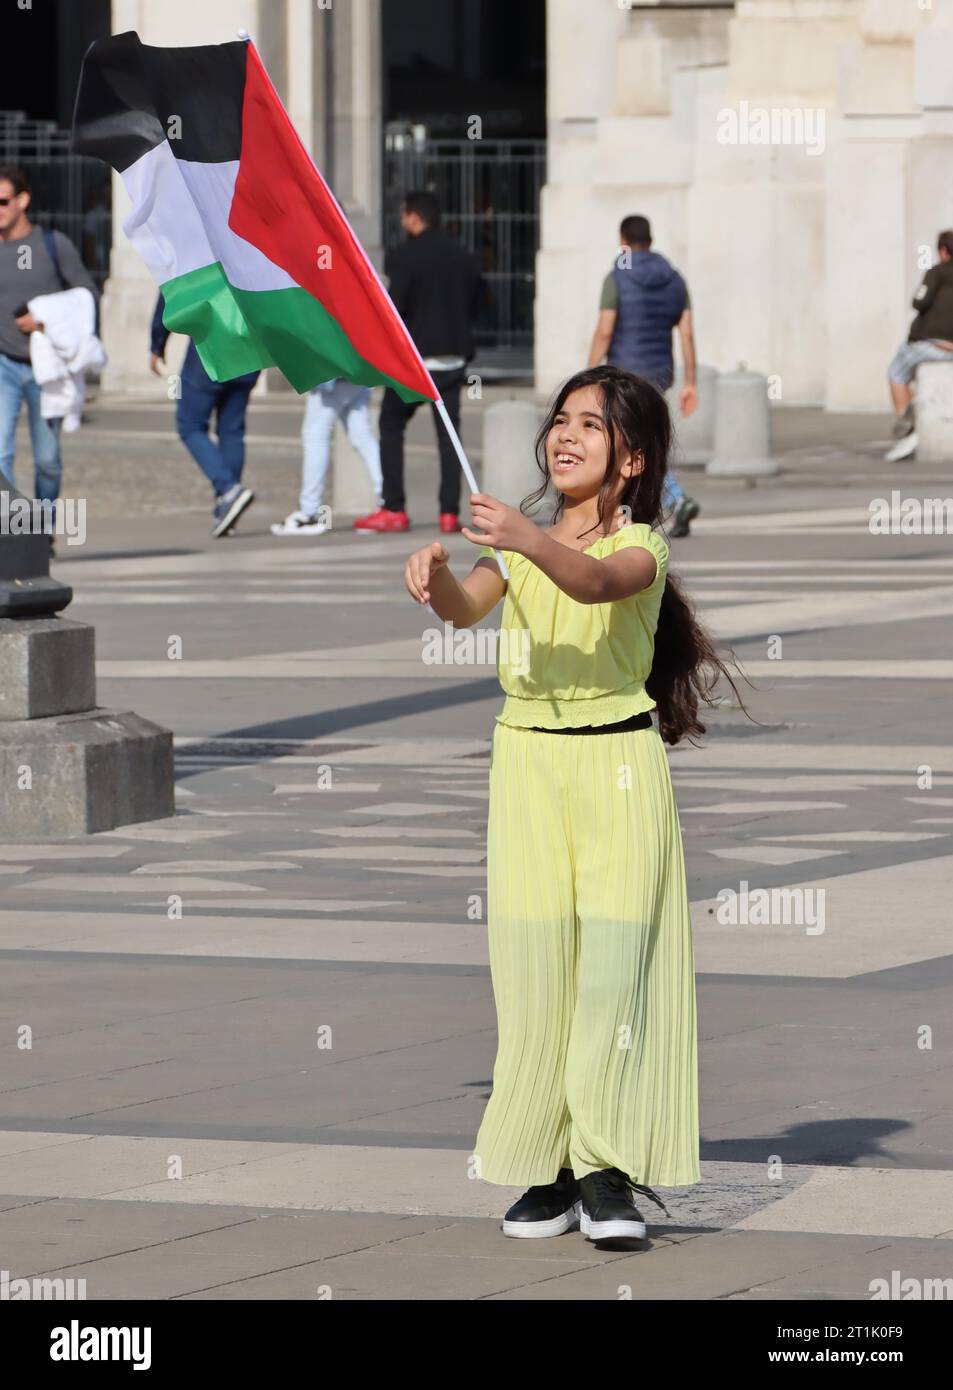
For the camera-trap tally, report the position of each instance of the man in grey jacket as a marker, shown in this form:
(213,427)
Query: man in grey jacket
(33,261)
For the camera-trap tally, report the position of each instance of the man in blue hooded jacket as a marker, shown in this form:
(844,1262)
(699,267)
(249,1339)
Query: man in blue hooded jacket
(643,299)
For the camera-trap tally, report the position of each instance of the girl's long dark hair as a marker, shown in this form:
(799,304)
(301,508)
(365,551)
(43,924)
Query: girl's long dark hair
(686,666)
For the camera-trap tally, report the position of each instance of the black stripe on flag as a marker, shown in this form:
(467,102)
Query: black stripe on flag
(131,97)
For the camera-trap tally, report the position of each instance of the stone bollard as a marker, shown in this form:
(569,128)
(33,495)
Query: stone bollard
(510,471)
(694,436)
(742,427)
(67,767)
(933,412)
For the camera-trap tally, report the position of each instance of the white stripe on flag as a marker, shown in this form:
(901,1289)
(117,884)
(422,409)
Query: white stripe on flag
(179,221)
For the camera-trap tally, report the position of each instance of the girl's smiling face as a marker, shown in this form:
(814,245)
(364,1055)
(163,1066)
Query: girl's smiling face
(577,447)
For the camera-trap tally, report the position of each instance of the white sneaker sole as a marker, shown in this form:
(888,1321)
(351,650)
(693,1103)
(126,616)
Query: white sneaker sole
(317,529)
(902,449)
(611,1230)
(538,1230)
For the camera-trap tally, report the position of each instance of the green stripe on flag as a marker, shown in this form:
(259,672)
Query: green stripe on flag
(202,305)
(237,331)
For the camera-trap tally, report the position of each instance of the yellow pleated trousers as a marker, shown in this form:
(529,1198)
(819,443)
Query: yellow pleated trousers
(591,960)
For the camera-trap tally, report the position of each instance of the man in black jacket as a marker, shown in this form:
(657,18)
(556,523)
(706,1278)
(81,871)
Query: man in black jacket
(435,285)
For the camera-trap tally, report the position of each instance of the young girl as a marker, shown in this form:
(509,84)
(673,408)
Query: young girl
(595,1088)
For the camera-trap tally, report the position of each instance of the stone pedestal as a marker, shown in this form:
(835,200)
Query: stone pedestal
(67,767)
(694,436)
(743,446)
(933,405)
(75,774)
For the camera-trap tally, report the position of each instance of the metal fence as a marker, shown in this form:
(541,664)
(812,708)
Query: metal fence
(489,198)
(70,192)
(488,190)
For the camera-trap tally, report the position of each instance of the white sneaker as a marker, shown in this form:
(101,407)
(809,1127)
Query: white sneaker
(903,448)
(298,524)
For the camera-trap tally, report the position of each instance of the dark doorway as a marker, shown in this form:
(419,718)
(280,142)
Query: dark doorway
(445,62)
(43,45)
(465,116)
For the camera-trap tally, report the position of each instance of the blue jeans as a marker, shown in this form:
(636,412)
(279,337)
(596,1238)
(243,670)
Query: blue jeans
(335,400)
(16,385)
(221,460)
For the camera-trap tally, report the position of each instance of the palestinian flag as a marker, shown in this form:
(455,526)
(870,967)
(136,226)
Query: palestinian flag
(254,256)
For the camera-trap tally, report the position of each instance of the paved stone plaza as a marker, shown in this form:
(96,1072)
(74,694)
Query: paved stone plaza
(328,842)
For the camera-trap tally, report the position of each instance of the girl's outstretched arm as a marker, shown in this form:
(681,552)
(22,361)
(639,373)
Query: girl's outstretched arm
(429,579)
(588,579)
(583,577)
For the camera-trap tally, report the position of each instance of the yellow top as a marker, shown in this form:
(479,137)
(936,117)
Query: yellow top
(563,663)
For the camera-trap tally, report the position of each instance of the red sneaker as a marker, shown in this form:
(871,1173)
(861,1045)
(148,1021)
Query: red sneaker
(383,520)
(450,521)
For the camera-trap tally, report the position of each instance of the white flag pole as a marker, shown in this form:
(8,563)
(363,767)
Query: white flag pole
(467,470)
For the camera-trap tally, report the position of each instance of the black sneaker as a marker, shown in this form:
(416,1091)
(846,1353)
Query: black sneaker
(229,507)
(685,514)
(547,1210)
(607,1207)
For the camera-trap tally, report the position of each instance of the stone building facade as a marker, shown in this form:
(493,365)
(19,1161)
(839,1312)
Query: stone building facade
(795,158)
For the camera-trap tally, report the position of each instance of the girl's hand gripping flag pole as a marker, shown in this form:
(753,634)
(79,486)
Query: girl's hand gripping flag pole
(467,470)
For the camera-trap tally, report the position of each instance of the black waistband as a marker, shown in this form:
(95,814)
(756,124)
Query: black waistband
(635,721)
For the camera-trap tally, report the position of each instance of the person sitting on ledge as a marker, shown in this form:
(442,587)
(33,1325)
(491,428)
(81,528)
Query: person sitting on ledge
(930,340)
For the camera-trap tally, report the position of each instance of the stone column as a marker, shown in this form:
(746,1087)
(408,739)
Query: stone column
(888,191)
(130,292)
(621,90)
(67,767)
(353,169)
(934,412)
(575,228)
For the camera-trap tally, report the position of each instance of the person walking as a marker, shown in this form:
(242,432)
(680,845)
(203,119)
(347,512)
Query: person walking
(222,460)
(930,340)
(33,262)
(643,298)
(334,400)
(595,1093)
(436,286)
